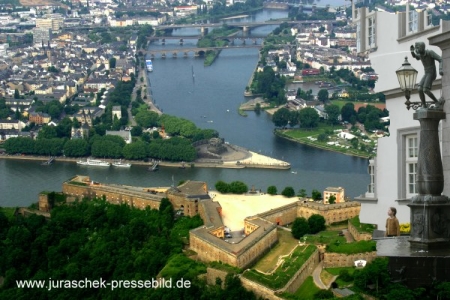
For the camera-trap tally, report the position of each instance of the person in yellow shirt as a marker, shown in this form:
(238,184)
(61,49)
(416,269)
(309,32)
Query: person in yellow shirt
(392,225)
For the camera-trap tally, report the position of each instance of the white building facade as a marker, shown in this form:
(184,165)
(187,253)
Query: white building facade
(393,171)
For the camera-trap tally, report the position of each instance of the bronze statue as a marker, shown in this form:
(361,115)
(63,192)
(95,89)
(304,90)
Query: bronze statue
(428,58)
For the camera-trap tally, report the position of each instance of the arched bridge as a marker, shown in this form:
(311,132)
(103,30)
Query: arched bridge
(230,39)
(185,52)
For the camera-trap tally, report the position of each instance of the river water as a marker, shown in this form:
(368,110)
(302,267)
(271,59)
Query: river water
(211,100)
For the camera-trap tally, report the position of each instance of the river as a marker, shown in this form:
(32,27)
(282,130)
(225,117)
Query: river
(211,100)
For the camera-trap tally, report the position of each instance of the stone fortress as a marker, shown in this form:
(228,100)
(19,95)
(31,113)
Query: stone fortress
(259,232)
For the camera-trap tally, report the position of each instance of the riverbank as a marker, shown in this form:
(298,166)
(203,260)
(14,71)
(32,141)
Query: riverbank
(350,152)
(253,160)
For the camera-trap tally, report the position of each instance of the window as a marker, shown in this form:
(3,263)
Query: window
(429,18)
(412,22)
(358,38)
(371,32)
(371,187)
(412,150)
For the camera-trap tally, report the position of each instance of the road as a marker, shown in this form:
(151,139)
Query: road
(141,86)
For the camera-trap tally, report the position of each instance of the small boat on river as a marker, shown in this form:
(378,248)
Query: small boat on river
(121,164)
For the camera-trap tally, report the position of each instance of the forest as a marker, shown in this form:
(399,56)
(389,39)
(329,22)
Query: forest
(93,240)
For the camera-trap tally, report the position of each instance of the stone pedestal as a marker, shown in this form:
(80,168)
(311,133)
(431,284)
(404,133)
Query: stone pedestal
(430,225)
(413,267)
(430,211)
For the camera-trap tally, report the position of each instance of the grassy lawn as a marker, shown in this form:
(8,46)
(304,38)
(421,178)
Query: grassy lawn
(352,248)
(301,136)
(286,242)
(362,228)
(284,272)
(8,212)
(305,292)
(326,277)
(335,271)
(338,225)
(224,267)
(325,237)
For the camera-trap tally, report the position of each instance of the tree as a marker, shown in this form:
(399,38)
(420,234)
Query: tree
(323,95)
(136,150)
(272,190)
(288,192)
(136,131)
(332,199)
(316,195)
(375,272)
(316,223)
(309,117)
(300,227)
(347,111)
(222,187)
(302,193)
(323,294)
(238,187)
(281,117)
(333,113)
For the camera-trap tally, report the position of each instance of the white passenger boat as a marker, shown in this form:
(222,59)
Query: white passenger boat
(94,162)
(121,164)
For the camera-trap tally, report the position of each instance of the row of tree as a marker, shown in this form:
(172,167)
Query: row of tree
(108,146)
(313,225)
(235,187)
(306,118)
(309,118)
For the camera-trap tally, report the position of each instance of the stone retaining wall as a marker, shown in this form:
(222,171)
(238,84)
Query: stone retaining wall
(212,274)
(259,289)
(358,236)
(300,276)
(333,260)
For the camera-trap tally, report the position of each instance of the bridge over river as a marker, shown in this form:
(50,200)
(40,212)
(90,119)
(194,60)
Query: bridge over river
(231,39)
(185,52)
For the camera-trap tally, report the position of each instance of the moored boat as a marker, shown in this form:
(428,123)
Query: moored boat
(121,164)
(94,162)
(149,65)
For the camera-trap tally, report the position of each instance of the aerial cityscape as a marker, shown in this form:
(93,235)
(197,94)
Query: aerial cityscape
(224,149)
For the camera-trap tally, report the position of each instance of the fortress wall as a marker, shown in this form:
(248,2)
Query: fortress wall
(256,250)
(112,197)
(300,276)
(282,215)
(179,201)
(358,236)
(44,204)
(210,252)
(212,274)
(259,289)
(78,191)
(333,260)
(207,251)
(332,213)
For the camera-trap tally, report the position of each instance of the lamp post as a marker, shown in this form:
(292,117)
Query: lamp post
(407,76)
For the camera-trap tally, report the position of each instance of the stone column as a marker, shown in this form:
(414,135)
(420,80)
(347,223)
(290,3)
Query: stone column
(430,177)
(442,40)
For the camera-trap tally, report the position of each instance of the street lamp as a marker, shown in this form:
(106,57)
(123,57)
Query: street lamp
(407,76)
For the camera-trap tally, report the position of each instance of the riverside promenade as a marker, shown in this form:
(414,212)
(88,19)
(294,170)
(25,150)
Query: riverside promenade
(236,160)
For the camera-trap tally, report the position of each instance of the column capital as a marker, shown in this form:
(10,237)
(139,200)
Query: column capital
(429,114)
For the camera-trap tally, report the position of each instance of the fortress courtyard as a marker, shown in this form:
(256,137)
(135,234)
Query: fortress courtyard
(235,208)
